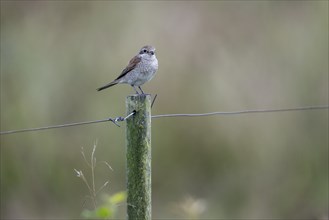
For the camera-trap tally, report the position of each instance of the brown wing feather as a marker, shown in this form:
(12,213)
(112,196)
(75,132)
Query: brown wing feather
(132,64)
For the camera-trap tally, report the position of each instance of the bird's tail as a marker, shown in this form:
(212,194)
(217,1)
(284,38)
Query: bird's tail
(108,85)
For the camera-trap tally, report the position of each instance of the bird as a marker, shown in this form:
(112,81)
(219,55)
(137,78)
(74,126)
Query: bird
(140,69)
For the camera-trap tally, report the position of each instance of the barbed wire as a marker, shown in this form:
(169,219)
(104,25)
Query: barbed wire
(120,119)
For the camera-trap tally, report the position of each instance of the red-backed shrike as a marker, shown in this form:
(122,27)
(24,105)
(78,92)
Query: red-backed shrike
(141,69)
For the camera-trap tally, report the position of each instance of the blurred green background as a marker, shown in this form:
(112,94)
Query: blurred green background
(213,56)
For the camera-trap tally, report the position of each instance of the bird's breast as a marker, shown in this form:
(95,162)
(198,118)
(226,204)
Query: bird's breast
(149,66)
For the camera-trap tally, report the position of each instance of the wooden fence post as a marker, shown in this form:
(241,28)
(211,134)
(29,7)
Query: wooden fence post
(138,165)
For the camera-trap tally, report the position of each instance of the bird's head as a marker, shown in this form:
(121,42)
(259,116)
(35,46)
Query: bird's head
(147,51)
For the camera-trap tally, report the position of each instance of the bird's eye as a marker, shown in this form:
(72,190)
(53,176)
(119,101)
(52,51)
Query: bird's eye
(144,51)
(152,52)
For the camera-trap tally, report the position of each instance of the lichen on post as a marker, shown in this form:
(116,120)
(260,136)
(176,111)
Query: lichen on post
(138,165)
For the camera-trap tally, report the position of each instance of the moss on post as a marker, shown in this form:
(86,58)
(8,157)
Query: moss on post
(138,141)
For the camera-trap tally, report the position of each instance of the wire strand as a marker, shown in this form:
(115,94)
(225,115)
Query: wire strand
(115,120)
(53,126)
(70,124)
(243,112)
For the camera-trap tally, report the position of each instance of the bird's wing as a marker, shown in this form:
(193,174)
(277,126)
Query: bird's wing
(132,64)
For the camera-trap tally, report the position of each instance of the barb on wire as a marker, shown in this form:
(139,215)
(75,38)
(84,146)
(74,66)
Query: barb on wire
(113,120)
(155,97)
